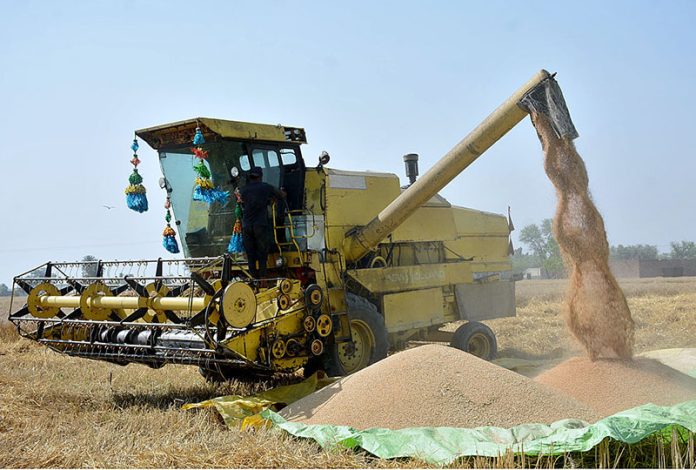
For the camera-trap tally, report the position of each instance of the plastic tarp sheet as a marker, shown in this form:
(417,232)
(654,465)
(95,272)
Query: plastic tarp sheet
(444,445)
(681,359)
(244,411)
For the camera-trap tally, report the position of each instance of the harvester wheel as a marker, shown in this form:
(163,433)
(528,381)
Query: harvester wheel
(285,286)
(309,323)
(283,301)
(278,349)
(314,296)
(370,342)
(324,325)
(477,339)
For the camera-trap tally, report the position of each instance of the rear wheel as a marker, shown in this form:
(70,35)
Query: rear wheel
(477,339)
(369,334)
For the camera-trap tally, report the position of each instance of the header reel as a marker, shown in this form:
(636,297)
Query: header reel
(202,311)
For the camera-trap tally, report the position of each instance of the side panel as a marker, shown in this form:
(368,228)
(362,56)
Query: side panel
(486,301)
(353,199)
(413,309)
(426,224)
(480,235)
(314,181)
(402,278)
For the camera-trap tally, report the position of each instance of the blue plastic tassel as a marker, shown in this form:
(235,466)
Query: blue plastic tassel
(210,195)
(170,244)
(198,137)
(236,244)
(169,240)
(136,198)
(137,201)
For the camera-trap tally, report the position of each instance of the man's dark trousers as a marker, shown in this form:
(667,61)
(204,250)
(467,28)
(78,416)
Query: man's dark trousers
(255,238)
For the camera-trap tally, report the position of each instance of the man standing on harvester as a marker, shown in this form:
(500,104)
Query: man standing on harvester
(256,197)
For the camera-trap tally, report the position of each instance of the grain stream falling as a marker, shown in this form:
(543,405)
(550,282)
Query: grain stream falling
(597,312)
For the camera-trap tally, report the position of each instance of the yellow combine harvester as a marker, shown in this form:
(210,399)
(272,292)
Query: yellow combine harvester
(359,264)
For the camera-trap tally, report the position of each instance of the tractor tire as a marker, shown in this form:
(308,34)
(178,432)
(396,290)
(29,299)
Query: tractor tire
(477,339)
(369,336)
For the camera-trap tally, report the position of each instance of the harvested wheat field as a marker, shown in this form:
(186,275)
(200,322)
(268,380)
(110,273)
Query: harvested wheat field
(663,309)
(435,385)
(5,306)
(57,411)
(612,385)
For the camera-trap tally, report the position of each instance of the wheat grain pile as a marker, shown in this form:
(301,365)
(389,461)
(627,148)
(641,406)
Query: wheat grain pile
(612,385)
(597,311)
(435,385)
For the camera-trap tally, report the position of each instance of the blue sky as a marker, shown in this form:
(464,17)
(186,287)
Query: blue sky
(370,81)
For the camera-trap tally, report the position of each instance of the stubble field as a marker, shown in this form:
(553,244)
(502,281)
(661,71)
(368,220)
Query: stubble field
(57,411)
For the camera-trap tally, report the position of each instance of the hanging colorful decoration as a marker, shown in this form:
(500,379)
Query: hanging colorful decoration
(136,198)
(169,240)
(198,138)
(205,190)
(236,244)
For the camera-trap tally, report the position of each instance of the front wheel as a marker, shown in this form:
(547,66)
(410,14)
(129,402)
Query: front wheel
(370,343)
(477,339)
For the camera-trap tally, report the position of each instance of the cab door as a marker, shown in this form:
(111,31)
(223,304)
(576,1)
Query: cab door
(282,166)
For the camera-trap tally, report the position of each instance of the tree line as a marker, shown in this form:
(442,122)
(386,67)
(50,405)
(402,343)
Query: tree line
(543,251)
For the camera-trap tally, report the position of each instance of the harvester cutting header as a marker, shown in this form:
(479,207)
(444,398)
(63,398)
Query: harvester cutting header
(357,263)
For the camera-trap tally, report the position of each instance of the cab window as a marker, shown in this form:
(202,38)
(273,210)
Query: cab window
(288,156)
(269,161)
(244,162)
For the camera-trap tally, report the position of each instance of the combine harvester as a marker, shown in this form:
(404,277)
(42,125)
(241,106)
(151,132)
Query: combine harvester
(360,264)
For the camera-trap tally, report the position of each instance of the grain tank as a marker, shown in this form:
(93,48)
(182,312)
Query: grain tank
(359,265)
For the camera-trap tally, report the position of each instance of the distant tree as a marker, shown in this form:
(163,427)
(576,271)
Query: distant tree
(539,239)
(4,290)
(532,237)
(521,261)
(38,272)
(683,250)
(554,263)
(90,268)
(633,252)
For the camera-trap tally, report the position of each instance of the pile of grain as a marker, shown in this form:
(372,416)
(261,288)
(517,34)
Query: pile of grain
(597,313)
(612,385)
(435,385)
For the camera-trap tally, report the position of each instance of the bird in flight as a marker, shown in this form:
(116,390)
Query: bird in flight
(108,207)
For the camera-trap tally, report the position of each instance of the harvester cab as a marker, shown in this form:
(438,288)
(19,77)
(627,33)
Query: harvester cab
(233,149)
(360,264)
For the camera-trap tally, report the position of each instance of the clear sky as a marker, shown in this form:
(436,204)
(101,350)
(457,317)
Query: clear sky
(370,82)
